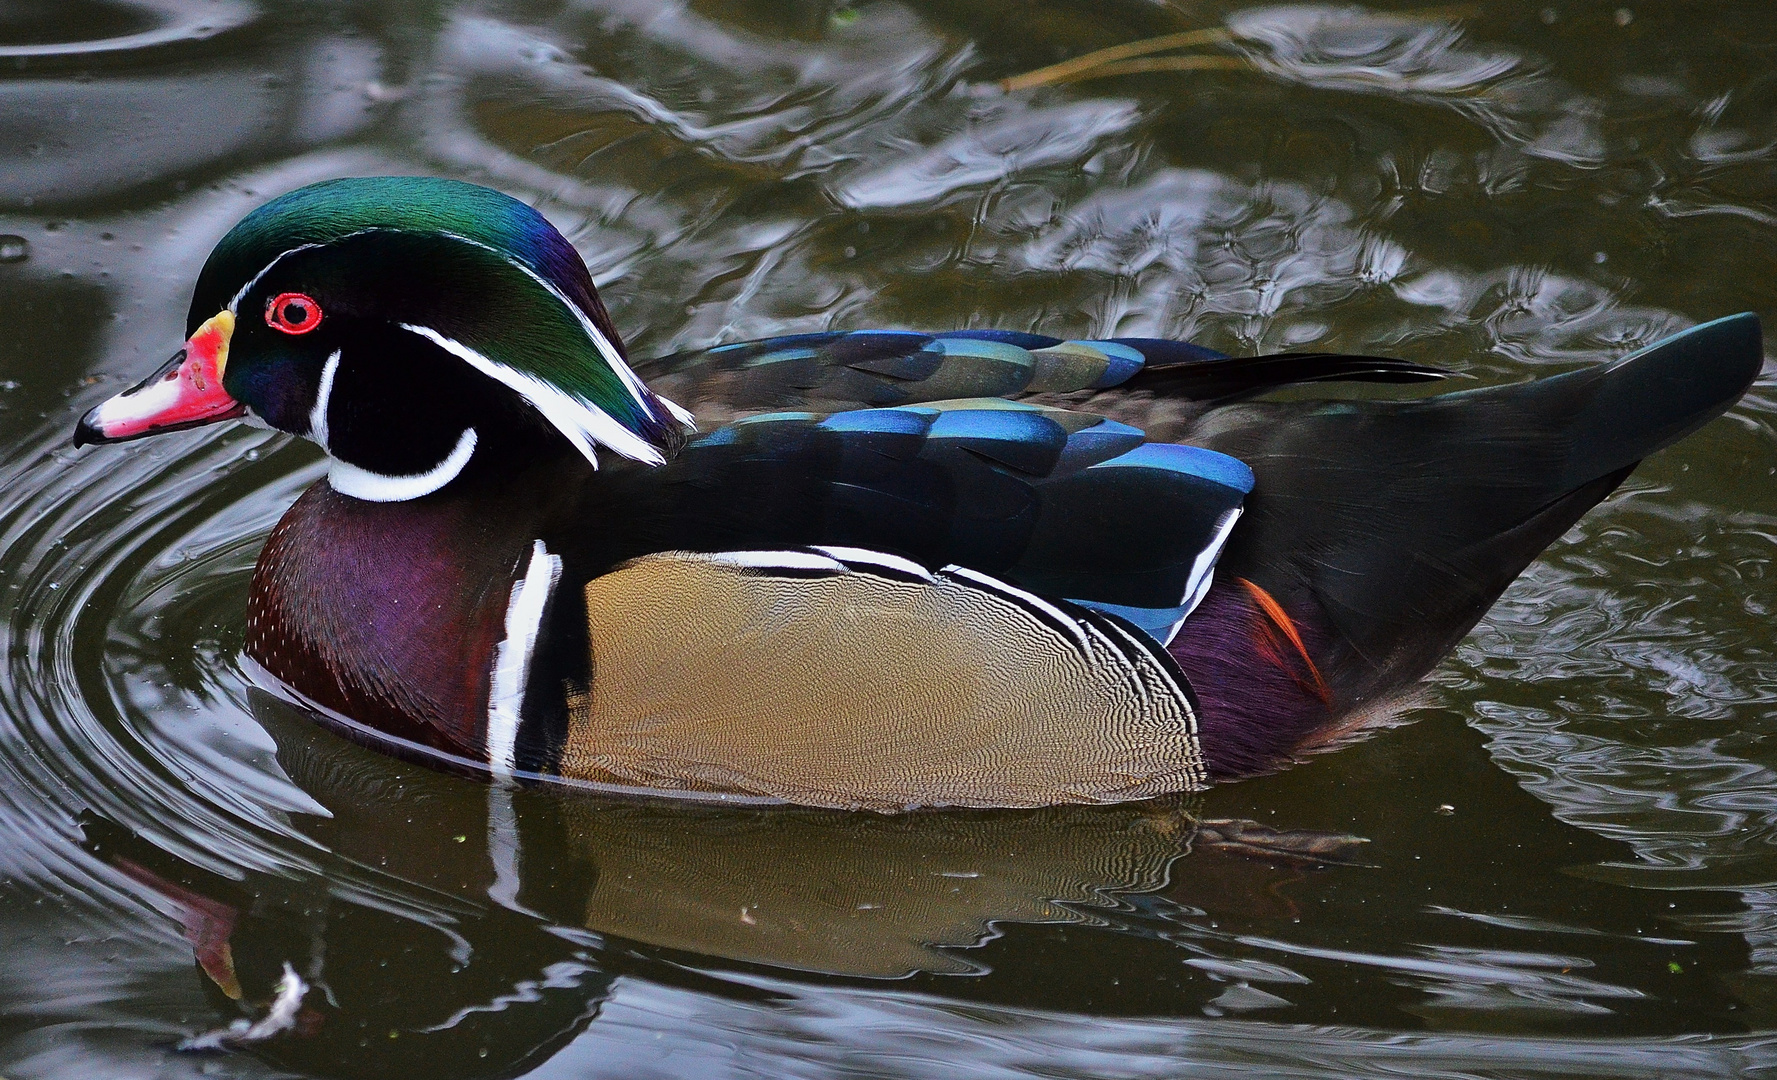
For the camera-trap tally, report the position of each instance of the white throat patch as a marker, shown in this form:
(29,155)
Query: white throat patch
(360,483)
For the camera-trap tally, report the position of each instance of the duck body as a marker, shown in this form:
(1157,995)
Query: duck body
(893,569)
(853,578)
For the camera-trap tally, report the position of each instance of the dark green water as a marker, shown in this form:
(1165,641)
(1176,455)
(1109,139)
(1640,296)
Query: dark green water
(1572,867)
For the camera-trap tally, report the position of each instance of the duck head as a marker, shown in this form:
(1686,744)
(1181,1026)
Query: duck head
(406,325)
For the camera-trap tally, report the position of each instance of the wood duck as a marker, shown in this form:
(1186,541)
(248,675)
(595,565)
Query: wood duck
(879,569)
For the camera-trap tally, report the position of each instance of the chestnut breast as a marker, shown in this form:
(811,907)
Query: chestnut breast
(388,612)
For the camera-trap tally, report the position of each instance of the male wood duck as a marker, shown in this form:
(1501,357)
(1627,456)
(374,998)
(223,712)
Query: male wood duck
(895,569)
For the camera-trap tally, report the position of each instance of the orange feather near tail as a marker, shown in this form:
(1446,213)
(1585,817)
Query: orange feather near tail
(1280,619)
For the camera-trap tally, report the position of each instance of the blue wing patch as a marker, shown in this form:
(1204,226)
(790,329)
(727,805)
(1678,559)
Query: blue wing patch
(1161,624)
(1137,533)
(1122,362)
(1022,439)
(1102,441)
(1190,460)
(884,368)
(915,366)
(1008,337)
(903,421)
(1061,503)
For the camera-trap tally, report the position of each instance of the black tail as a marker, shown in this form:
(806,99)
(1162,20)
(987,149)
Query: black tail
(1394,526)
(1652,398)
(1171,372)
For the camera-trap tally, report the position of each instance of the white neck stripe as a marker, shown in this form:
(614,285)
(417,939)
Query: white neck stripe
(360,483)
(512,659)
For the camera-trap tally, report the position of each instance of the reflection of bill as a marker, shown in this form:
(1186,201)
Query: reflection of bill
(450,957)
(358,982)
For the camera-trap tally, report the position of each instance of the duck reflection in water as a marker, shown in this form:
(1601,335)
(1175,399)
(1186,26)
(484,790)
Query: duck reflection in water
(480,928)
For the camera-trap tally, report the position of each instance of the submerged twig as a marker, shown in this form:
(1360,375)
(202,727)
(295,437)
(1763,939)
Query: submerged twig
(1121,59)
(1301,847)
(1162,63)
(1069,69)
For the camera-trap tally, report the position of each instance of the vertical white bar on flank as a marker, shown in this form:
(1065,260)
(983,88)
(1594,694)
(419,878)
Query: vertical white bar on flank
(512,660)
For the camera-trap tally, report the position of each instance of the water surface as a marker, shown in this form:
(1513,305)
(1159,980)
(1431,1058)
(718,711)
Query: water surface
(1572,857)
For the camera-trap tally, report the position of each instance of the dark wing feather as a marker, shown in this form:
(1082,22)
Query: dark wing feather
(1224,378)
(1062,503)
(836,371)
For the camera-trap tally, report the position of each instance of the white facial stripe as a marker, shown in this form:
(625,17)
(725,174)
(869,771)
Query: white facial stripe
(606,349)
(512,660)
(323,394)
(582,422)
(631,382)
(682,415)
(266,269)
(349,479)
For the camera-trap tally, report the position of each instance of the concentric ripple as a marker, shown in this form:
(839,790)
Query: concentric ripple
(113,559)
(120,28)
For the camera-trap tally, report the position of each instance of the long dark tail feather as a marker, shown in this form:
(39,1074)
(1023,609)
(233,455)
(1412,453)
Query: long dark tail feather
(1652,398)
(1386,529)
(1223,378)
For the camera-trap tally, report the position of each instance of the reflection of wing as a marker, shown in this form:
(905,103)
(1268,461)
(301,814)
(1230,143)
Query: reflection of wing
(870,683)
(847,369)
(861,895)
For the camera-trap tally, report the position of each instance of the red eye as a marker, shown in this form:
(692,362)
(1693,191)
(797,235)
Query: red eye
(293,313)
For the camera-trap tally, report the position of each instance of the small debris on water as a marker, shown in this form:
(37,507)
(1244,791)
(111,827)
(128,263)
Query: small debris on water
(279,1018)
